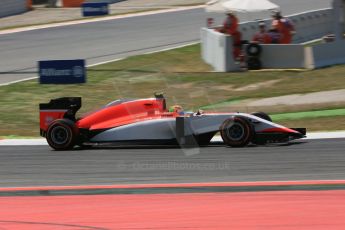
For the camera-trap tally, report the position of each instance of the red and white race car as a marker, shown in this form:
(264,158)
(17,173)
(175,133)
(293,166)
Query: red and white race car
(148,122)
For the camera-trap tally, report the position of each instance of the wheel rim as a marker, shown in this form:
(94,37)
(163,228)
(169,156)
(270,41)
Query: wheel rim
(60,135)
(236,131)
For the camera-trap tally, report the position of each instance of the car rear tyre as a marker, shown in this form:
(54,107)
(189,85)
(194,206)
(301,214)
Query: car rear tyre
(236,132)
(62,134)
(262,115)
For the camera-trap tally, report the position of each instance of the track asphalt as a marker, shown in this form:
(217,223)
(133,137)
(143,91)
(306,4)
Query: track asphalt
(22,166)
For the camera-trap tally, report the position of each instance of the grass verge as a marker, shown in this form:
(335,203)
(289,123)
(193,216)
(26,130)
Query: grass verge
(317,124)
(180,73)
(309,115)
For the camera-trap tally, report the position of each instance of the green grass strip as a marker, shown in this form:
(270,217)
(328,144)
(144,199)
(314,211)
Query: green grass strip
(309,114)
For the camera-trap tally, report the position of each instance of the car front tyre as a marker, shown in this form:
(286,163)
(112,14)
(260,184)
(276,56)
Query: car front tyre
(236,132)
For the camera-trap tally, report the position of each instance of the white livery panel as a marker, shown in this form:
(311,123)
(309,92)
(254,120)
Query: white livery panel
(165,128)
(159,129)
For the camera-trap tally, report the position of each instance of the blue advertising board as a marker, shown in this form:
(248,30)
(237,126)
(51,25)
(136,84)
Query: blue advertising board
(62,72)
(95,9)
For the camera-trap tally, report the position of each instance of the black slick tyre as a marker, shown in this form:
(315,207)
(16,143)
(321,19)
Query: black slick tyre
(253,50)
(62,134)
(262,115)
(236,132)
(254,63)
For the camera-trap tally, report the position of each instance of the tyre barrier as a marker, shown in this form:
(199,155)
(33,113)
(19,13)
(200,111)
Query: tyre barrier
(253,52)
(254,63)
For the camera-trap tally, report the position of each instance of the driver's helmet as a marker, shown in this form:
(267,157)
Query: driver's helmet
(176,109)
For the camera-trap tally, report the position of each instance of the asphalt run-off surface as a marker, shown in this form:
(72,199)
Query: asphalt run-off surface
(107,40)
(22,166)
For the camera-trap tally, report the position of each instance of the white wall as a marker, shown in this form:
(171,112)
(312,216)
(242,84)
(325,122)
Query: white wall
(217,50)
(328,54)
(12,7)
(289,56)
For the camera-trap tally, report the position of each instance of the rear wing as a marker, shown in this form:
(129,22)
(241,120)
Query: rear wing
(59,108)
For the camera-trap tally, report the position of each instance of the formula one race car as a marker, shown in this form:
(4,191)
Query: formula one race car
(147,121)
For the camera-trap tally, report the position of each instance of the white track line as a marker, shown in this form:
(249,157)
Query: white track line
(325,135)
(18,81)
(106,62)
(23,142)
(151,52)
(42,141)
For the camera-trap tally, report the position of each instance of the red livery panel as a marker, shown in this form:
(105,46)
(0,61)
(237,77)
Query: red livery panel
(123,113)
(48,116)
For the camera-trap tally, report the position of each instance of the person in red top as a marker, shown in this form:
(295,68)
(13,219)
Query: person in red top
(230,27)
(284,26)
(262,37)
